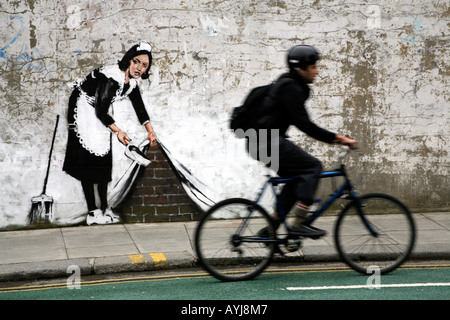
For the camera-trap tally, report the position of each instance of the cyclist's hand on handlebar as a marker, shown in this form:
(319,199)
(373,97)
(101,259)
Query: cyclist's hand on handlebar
(351,143)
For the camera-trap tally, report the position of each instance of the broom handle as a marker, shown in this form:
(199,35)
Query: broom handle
(50,155)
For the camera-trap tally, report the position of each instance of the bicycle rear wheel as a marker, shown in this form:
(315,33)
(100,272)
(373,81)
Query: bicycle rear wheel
(228,241)
(384,250)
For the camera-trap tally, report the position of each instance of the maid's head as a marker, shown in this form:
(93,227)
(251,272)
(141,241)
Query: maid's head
(137,50)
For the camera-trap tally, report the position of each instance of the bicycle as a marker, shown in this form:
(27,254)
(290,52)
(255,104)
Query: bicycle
(371,230)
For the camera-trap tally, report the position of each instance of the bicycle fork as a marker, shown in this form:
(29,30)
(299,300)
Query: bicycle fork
(360,207)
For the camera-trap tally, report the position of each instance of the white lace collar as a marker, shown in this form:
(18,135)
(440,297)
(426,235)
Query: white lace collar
(118,75)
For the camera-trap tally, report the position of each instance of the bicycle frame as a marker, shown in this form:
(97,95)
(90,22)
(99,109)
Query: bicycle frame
(346,189)
(346,186)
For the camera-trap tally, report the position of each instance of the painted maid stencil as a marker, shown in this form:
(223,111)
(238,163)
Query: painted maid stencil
(92,124)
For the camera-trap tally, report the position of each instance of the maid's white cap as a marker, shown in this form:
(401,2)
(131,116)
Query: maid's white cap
(144,46)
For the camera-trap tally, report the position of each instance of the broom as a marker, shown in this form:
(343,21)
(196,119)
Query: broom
(41,208)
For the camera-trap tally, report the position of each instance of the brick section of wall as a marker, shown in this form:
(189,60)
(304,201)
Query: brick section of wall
(157,194)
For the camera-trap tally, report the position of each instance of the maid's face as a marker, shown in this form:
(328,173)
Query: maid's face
(138,65)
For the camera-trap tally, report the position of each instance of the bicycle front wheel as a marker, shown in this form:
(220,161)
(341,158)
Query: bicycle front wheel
(234,240)
(375,233)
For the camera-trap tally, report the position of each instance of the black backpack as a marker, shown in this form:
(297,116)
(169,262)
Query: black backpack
(242,116)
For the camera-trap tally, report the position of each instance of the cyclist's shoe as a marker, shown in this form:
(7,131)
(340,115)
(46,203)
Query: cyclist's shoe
(307,231)
(264,232)
(278,250)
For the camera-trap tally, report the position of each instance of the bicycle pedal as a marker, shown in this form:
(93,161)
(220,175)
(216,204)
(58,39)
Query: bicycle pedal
(293,245)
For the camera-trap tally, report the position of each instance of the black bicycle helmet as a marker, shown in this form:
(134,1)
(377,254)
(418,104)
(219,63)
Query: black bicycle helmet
(302,56)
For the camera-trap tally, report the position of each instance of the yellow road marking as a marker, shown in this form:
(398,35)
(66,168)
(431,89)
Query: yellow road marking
(137,259)
(159,259)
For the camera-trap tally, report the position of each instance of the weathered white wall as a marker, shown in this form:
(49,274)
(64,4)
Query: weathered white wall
(384,80)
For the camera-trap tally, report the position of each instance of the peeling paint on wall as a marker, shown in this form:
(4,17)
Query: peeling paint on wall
(384,80)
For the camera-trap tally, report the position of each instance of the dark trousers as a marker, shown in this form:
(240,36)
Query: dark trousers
(294,161)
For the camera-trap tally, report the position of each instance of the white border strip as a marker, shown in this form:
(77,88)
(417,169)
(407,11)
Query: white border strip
(375,286)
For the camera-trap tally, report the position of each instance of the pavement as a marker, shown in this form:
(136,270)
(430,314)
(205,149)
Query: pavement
(106,249)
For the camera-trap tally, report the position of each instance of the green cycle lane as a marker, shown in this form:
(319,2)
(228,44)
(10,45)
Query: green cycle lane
(427,283)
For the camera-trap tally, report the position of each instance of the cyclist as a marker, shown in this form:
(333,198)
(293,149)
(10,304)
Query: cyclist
(283,107)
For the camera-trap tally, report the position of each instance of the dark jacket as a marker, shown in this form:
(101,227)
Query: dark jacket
(285,106)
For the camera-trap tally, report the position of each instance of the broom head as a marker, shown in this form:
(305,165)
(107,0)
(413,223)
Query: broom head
(41,209)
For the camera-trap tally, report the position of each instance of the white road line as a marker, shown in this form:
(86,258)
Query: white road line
(399,285)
